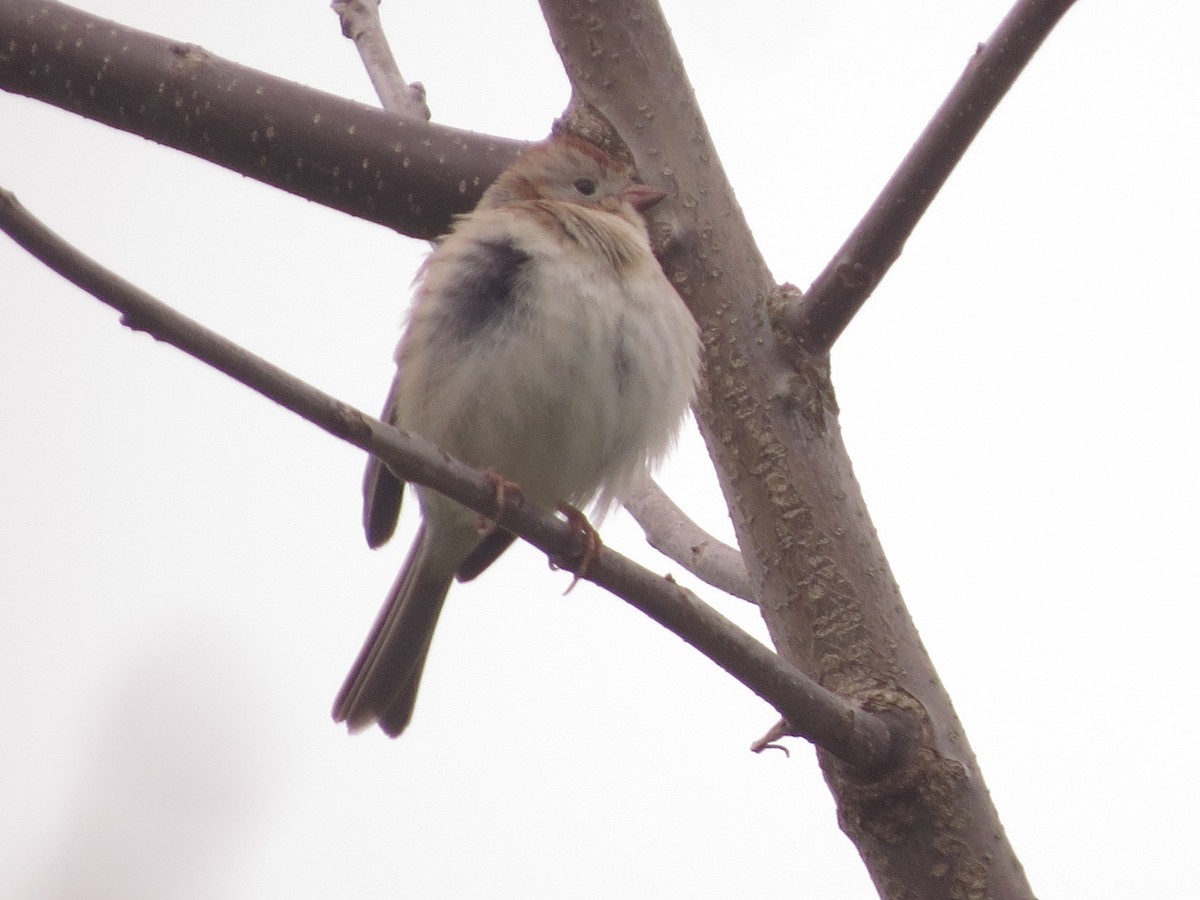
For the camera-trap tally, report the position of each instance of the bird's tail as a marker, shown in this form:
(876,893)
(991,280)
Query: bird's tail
(382,684)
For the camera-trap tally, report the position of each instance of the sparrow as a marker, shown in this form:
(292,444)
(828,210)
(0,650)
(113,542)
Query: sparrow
(545,346)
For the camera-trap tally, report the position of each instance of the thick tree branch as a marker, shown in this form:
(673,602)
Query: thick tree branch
(410,176)
(848,280)
(859,738)
(767,411)
(669,531)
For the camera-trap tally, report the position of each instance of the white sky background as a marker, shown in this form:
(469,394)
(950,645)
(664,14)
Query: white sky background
(185,584)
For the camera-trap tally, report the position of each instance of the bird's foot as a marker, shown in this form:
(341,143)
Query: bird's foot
(585,548)
(505,492)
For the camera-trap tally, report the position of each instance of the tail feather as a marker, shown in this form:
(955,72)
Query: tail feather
(382,684)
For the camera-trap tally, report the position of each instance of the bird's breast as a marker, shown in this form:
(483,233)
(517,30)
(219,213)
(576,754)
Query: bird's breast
(547,363)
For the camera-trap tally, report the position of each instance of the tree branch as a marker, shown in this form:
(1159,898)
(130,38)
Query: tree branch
(669,531)
(859,738)
(766,408)
(361,23)
(859,265)
(410,176)
(768,413)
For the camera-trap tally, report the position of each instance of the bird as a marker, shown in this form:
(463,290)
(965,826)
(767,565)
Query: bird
(543,345)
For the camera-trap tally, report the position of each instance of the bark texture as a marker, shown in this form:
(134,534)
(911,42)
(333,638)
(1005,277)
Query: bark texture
(768,413)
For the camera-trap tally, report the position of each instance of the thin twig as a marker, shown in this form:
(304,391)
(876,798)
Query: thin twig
(860,739)
(361,23)
(669,531)
(858,266)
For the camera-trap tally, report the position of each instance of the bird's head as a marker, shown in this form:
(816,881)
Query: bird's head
(568,169)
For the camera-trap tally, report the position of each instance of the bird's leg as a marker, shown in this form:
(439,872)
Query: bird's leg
(505,491)
(587,545)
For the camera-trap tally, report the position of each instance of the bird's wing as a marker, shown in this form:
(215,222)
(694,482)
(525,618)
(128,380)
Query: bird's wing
(383,491)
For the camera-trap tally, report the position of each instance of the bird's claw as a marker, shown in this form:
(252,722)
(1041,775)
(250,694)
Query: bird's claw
(587,546)
(505,491)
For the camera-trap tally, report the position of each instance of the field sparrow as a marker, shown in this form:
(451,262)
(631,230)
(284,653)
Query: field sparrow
(544,345)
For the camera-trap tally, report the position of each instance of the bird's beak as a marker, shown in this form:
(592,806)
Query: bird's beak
(641,196)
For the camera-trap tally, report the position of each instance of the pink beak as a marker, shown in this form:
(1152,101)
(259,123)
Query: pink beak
(641,196)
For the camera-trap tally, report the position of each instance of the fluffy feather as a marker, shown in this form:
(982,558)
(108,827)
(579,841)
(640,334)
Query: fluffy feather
(544,343)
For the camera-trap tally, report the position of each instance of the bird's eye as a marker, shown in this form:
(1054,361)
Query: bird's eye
(585,186)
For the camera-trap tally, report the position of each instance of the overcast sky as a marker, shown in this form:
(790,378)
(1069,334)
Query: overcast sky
(185,584)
